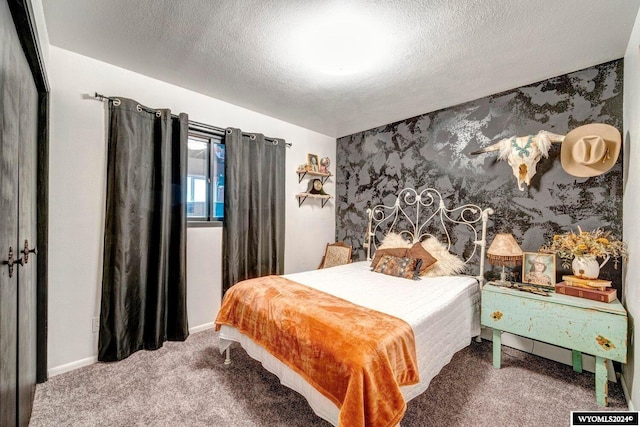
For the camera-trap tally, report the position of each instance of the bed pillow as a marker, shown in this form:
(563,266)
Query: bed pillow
(448,264)
(409,268)
(418,252)
(391,241)
(394,240)
(397,252)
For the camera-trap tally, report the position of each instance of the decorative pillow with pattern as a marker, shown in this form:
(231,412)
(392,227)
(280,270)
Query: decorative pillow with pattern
(397,252)
(409,268)
(448,264)
(418,252)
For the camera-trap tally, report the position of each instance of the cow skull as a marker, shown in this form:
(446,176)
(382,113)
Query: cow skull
(523,153)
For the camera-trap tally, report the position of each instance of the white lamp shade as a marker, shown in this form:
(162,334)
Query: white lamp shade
(504,250)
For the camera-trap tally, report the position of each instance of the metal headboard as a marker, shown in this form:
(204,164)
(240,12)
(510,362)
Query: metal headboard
(385,219)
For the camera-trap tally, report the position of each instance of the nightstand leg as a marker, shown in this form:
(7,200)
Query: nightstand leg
(602,385)
(577,360)
(497,348)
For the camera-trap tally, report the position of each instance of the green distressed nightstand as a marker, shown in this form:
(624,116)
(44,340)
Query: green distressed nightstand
(579,324)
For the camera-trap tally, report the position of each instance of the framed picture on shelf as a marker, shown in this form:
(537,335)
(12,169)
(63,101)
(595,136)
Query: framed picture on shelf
(312,161)
(324,165)
(539,269)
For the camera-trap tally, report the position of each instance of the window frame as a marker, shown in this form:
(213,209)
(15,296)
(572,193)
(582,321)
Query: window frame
(211,137)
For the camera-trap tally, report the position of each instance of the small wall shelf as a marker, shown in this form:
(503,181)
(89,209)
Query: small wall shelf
(303,196)
(324,176)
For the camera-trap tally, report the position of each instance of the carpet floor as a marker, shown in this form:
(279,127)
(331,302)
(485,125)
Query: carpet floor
(187,384)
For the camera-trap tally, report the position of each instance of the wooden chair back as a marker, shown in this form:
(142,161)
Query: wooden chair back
(338,253)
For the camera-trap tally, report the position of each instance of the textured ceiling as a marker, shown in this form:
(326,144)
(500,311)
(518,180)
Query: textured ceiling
(419,56)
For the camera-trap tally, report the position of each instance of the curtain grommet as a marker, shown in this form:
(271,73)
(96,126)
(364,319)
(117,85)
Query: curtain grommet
(116,102)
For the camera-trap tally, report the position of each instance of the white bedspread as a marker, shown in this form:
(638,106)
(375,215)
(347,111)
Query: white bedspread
(444,313)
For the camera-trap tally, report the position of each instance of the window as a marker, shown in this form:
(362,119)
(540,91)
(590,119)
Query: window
(205,177)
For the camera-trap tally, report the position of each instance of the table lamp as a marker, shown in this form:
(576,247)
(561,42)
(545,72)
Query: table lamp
(504,251)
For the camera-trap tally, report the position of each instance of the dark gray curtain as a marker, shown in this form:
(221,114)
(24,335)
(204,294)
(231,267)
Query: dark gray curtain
(144,300)
(253,236)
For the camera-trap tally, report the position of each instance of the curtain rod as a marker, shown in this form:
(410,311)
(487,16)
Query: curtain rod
(215,129)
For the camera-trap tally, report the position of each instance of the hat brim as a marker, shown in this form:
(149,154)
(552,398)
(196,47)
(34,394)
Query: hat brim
(612,139)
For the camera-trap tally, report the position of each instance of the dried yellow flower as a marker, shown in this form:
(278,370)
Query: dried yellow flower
(597,243)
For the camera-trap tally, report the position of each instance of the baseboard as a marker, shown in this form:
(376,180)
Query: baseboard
(548,351)
(201,328)
(57,370)
(625,390)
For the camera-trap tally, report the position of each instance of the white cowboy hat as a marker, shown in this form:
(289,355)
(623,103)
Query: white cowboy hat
(537,260)
(590,150)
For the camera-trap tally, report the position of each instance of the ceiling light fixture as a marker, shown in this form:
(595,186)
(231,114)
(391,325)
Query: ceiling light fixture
(343,45)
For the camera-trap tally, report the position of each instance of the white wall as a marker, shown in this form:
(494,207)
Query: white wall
(35,6)
(77,198)
(631,203)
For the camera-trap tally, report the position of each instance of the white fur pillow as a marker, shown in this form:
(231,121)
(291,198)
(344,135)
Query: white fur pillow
(448,264)
(394,240)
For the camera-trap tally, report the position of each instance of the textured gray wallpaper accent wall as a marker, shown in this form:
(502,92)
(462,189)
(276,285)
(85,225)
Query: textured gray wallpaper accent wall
(432,150)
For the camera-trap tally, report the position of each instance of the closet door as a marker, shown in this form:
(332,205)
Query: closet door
(8,273)
(18,162)
(27,232)
(10,58)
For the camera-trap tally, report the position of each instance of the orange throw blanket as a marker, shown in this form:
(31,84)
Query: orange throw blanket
(356,357)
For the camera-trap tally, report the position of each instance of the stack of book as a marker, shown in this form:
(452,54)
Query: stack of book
(593,289)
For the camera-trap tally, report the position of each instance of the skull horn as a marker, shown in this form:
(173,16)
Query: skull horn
(494,147)
(553,137)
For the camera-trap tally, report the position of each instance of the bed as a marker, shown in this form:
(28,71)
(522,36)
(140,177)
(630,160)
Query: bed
(442,311)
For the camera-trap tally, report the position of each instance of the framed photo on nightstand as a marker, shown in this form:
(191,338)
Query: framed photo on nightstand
(539,269)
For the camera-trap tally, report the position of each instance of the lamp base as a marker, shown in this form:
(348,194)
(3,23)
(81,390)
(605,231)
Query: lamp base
(503,280)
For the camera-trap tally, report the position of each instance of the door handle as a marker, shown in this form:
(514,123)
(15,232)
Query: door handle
(12,261)
(26,251)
